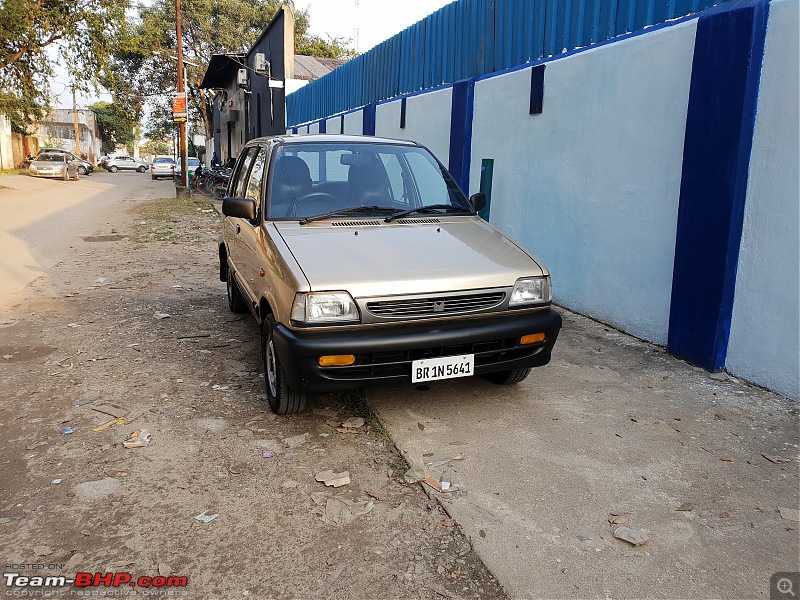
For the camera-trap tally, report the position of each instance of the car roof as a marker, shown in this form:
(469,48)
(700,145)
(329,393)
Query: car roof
(311,138)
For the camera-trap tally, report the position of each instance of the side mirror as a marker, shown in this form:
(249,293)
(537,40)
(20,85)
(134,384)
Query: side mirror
(478,201)
(239,208)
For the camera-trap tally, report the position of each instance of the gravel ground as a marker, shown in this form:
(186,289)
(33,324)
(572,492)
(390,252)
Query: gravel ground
(135,326)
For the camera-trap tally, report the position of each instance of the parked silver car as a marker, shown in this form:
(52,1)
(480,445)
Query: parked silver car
(126,163)
(54,164)
(162,166)
(365,264)
(84,166)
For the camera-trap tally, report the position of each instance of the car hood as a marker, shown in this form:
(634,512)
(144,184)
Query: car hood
(415,258)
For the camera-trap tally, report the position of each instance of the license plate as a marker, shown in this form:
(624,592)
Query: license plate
(447,367)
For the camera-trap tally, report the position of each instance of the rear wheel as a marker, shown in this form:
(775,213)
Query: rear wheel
(283,400)
(113,168)
(235,298)
(140,169)
(81,170)
(509,377)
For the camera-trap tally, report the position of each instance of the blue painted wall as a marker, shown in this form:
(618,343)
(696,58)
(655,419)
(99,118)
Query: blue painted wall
(729,47)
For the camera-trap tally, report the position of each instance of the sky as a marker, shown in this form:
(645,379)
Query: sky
(376,21)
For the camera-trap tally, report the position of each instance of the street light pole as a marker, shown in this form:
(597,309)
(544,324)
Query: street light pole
(181,90)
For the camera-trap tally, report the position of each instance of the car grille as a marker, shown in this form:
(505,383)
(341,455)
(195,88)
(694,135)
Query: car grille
(435,306)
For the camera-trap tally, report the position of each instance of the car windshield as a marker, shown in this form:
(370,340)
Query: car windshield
(50,157)
(360,178)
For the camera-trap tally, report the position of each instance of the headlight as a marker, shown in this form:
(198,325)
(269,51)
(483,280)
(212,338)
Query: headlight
(324,307)
(531,290)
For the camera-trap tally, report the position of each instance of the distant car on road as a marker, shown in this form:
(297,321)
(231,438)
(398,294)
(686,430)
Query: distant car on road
(162,166)
(126,163)
(191,164)
(84,166)
(54,164)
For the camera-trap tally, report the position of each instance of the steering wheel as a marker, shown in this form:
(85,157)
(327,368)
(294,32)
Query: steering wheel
(315,203)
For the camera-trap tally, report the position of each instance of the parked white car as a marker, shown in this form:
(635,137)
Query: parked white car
(120,163)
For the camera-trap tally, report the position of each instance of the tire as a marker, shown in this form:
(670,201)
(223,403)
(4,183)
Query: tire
(140,169)
(509,377)
(283,400)
(235,299)
(219,190)
(81,170)
(113,168)
(153,177)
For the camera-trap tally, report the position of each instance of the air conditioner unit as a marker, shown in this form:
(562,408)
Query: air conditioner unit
(261,65)
(241,78)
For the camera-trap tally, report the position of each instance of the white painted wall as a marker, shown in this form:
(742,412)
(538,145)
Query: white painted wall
(6,149)
(764,342)
(313,128)
(354,123)
(333,125)
(427,121)
(591,185)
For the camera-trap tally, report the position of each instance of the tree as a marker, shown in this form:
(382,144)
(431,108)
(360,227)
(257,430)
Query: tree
(115,124)
(33,32)
(145,67)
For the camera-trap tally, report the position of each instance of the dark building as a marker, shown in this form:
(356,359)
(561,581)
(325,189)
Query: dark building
(251,88)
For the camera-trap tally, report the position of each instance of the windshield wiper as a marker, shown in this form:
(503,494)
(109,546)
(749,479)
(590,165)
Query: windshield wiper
(429,208)
(344,211)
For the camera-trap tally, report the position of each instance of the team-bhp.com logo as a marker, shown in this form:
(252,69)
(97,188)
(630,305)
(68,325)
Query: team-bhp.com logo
(85,580)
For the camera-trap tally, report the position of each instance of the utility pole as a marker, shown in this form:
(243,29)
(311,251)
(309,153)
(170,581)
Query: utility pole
(181,90)
(75,120)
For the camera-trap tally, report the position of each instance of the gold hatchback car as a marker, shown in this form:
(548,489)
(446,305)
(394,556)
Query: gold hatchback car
(365,264)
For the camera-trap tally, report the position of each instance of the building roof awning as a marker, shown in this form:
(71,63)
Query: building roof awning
(310,68)
(221,69)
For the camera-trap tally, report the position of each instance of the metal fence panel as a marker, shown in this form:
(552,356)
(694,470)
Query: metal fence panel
(469,38)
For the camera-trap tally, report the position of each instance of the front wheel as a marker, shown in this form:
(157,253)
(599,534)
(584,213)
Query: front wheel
(509,377)
(283,400)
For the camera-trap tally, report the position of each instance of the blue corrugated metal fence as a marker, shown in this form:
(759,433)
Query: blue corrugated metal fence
(469,38)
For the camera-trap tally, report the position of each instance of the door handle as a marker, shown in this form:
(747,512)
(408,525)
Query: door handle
(238,228)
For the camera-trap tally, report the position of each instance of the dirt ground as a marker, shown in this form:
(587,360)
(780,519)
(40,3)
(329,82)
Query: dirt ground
(135,325)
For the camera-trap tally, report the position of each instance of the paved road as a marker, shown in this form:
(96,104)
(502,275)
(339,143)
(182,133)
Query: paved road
(43,218)
(613,425)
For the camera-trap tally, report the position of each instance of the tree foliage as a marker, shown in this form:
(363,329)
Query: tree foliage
(115,124)
(144,69)
(33,32)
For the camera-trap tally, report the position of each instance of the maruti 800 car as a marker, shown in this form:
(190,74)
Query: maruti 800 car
(365,264)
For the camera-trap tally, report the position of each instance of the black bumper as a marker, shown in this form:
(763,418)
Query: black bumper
(384,354)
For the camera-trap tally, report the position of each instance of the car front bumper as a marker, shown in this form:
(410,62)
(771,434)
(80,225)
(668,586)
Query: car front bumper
(384,353)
